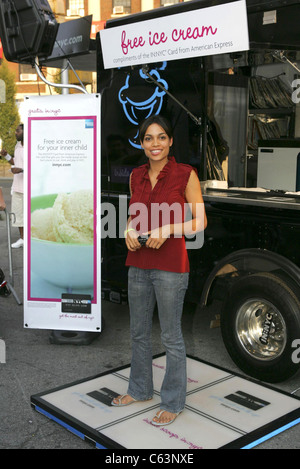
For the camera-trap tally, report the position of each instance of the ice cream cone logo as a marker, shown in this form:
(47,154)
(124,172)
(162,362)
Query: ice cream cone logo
(141,99)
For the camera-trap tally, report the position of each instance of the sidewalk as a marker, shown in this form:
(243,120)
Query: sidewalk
(34,365)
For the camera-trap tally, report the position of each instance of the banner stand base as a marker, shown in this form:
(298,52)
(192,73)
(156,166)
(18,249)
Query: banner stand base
(72,337)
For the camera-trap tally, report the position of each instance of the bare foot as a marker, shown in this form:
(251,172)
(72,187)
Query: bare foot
(163,417)
(123,400)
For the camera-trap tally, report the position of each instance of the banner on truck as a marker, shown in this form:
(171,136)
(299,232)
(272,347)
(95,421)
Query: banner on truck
(207,31)
(62,260)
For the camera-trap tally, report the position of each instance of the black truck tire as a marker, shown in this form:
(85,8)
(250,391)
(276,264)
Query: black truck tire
(260,325)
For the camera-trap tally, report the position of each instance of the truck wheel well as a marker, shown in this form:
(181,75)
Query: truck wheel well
(246,262)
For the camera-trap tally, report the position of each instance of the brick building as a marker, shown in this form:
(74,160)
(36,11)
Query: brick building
(27,80)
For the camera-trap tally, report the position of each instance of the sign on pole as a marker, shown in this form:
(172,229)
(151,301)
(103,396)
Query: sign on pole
(62,278)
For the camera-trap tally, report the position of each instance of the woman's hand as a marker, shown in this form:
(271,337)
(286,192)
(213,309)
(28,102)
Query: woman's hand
(158,236)
(131,240)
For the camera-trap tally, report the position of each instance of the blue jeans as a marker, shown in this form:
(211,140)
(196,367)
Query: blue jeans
(145,288)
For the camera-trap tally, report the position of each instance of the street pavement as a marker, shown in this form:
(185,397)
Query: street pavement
(33,364)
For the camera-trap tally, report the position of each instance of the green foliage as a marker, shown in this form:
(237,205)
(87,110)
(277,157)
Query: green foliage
(9,114)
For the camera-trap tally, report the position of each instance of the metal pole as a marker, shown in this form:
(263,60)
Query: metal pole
(57,85)
(196,119)
(65,77)
(11,279)
(9,246)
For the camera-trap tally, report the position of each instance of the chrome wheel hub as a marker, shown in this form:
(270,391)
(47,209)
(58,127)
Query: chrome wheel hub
(261,329)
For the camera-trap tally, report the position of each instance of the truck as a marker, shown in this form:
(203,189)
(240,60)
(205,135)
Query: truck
(236,120)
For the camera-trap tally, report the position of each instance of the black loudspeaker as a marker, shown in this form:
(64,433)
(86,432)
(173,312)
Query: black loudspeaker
(28,29)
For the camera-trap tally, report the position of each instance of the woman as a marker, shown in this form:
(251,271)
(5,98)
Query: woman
(158,270)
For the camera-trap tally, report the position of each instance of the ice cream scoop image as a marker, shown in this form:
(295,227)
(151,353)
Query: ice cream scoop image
(70,220)
(42,224)
(73,217)
(62,235)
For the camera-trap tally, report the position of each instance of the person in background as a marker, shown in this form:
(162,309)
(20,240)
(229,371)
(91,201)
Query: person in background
(17,164)
(159,270)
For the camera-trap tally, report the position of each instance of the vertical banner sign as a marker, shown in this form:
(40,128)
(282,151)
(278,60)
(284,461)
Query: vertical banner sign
(62,262)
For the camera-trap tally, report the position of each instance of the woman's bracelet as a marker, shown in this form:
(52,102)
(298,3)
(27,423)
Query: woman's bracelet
(126,231)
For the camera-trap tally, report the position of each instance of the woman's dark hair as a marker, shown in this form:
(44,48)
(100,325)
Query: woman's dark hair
(159,120)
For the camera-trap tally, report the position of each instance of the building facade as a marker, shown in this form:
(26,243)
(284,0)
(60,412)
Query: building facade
(27,80)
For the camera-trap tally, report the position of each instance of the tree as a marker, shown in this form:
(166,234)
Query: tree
(9,114)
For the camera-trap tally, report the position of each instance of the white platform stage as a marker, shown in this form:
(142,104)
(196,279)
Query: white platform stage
(223,410)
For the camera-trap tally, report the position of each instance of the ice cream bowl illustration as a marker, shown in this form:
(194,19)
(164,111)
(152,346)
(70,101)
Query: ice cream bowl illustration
(62,239)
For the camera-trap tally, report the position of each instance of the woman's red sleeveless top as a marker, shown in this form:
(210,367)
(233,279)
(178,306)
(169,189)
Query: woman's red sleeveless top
(150,208)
